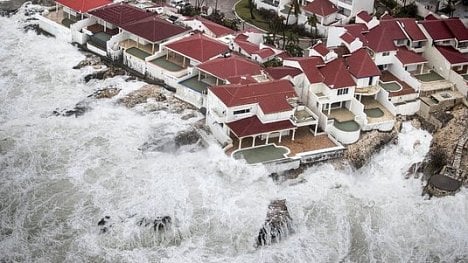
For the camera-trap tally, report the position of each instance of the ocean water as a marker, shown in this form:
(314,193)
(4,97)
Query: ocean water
(60,175)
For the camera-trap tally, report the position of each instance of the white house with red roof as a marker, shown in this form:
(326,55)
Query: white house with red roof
(320,50)
(59,21)
(447,51)
(254,49)
(258,110)
(228,69)
(208,27)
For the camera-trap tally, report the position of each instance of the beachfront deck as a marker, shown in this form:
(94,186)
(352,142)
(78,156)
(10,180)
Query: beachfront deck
(402,89)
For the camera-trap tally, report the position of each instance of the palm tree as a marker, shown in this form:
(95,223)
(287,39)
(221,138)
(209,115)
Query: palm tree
(251,7)
(312,21)
(295,7)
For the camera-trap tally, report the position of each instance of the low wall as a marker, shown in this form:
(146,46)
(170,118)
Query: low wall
(53,28)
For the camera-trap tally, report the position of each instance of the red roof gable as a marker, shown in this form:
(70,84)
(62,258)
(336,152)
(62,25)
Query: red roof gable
(231,66)
(409,57)
(281,72)
(437,29)
(336,75)
(381,37)
(452,55)
(246,45)
(458,29)
(321,49)
(361,64)
(217,29)
(154,29)
(364,16)
(252,126)
(198,47)
(354,31)
(241,79)
(120,14)
(431,16)
(264,52)
(321,7)
(83,6)
(271,96)
(309,67)
(411,28)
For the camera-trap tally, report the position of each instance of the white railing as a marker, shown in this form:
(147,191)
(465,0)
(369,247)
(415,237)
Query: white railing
(135,63)
(218,132)
(459,81)
(383,98)
(343,136)
(112,45)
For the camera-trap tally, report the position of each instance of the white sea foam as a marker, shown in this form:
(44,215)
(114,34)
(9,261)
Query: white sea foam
(60,175)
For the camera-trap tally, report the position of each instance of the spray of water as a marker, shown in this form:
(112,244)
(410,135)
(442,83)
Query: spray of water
(60,175)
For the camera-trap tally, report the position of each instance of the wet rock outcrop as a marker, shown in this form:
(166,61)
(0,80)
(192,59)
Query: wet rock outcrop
(187,137)
(446,165)
(80,108)
(106,93)
(142,95)
(369,143)
(158,224)
(278,224)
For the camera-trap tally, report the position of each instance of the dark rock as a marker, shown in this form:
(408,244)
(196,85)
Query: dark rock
(161,223)
(142,95)
(163,144)
(186,137)
(79,109)
(278,224)
(106,93)
(90,60)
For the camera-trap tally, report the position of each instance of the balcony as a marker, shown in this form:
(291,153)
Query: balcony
(303,116)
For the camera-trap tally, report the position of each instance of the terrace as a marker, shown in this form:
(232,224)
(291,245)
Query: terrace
(60,17)
(375,111)
(304,141)
(194,84)
(166,64)
(148,48)
(394,85)
(429,77)
(343,119)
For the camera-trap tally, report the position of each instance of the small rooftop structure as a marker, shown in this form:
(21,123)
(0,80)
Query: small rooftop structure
(320,7)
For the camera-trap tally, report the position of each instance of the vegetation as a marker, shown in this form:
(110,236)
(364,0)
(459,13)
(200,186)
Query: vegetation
(410,10)
(275,62)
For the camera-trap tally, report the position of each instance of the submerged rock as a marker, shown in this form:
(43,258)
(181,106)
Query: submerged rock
(142,95)
(104,224)
(187,137)
(278,224)
(160,223)
(79,109)
(106,93)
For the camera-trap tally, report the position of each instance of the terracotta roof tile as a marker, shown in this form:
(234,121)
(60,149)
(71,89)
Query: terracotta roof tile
(381,37)
(336,76)
(281,72)
(411,28)
(198,47)
(154,29)
(361,64)
(437,29)
(320,7)
(271,96)
(231,66)
(409,57)
(364,16)
(452,55)
(217,29)
(321,49)
(458,29)
(253,126)
(120,14)
(83,6)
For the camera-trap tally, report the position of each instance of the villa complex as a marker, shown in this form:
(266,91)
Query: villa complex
(365,74)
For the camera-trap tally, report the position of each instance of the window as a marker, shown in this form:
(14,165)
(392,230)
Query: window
(237,112)
(385,53)
(343,91)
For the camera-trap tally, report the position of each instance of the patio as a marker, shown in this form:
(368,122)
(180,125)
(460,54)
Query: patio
(194,84)
(340,114)
(136,52)
(304,141)
(405,88)
(375,111)
(128,43)
(166,64)
(428,77)
(261,154)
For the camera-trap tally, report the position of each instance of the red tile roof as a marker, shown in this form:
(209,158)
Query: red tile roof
(264,52)
(361,64)
(217,29)
(120,14)
(354,31)
(281,72)
(386,17)
(381,37)
(336,75)
(198,47)
(321,49)
(458,29)
(452,55)
(411,28)
(309,65)
(409,57)
(431,16)
(241,79)
(154,29)
(253,126)
(321,7)
(231,66)
(271,96)
(83,6)
(364,16)
(246,45)
(437,29)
